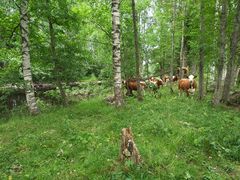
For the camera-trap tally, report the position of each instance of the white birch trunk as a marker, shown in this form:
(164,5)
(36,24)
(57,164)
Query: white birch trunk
(116,53)
(27,74)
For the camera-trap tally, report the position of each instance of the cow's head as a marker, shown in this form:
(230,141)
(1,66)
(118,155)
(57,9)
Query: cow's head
(191,80)
(191,77)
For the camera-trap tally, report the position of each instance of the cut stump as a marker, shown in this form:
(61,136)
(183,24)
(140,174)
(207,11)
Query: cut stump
(129,149)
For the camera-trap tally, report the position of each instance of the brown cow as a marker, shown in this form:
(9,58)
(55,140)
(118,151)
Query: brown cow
(157,81)
(154,83)
(174,78)
(166,78)
(131,85)
(188,85)
(185,71)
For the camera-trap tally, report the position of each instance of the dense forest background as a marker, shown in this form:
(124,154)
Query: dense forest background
(72,40)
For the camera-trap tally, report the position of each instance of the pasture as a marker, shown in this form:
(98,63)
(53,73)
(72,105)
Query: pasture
(178,138)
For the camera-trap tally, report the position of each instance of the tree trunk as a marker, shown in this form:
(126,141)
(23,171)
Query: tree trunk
(27,74)
(128,148)
(222,39)
(55,61)
(183,45)
(207,80)
(137,54)
(233,50)
(147,67)
(173,45)
(116,53)
(182,52)
(201,51)
(236,77)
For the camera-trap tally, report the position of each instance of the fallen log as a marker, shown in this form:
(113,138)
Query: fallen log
(45,86)
(234,99)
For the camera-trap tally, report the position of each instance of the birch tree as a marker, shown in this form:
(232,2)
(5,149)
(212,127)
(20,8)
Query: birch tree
(26,65)
(116,53)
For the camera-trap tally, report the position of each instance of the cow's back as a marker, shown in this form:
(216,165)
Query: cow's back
(183,84)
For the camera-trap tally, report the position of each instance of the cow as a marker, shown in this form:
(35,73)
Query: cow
(175,78)
(154,83)
(157,81)
(185,71)
(165,78)
(188,85)
(131,85)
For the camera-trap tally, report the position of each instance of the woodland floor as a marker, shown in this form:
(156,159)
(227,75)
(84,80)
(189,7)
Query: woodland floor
(178,138)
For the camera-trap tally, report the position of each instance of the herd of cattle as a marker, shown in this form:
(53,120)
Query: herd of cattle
(187,85)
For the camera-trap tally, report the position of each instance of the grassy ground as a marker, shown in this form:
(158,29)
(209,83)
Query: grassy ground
(178,138)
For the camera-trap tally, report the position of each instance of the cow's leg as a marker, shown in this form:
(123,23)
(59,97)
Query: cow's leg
(131,92)
(179,92)
(143,91)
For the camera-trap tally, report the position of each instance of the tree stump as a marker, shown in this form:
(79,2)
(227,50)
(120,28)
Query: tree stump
(128,147)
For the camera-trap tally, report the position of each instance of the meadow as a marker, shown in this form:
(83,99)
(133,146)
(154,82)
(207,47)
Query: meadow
(178,138)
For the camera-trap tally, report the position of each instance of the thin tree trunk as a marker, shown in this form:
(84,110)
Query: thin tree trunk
(116,53)
(181,52)
(55,61)
(223,25)
(27,74)
(207,80)
(137,54)
(201,51)
(173,44)
(236,76)
(147,68)
(193,68)
(233,50)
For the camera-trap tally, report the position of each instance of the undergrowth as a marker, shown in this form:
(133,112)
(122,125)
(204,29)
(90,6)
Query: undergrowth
(178,138)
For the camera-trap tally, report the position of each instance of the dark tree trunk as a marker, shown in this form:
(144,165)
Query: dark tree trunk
(232,59)
(201,51)
(137,54)
(222,42)
(26,65)
(183,50)
(182,62)
(116,53)
(173,45)
(57,67)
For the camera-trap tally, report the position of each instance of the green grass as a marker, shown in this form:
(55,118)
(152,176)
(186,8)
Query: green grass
(178,138)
